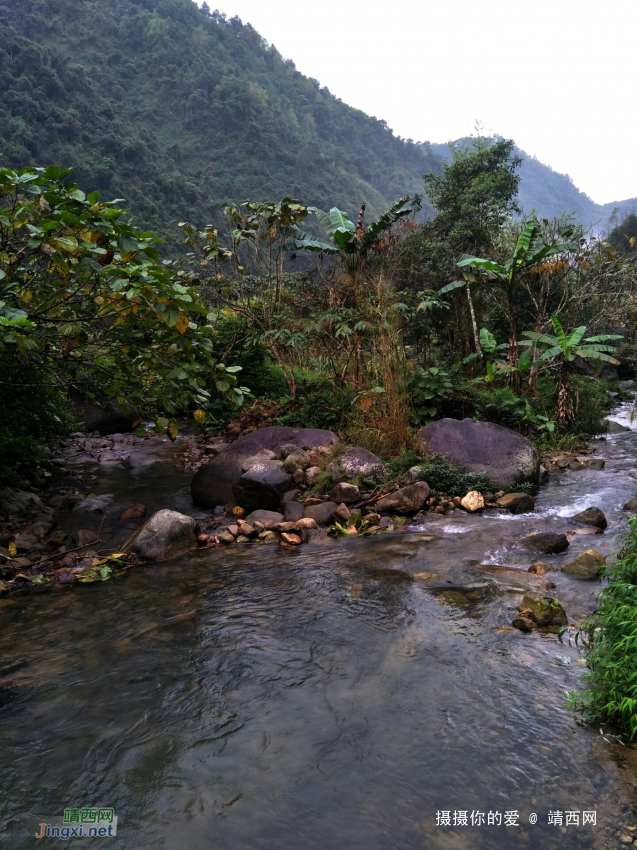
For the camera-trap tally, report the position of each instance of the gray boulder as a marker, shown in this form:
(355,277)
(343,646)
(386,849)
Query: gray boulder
(292,511)
(322,513)
(592,516)
(167,534)
(482,447)
(355,462)
(407,500)
(517,503)
(547,542)
(262,486)
(212,483)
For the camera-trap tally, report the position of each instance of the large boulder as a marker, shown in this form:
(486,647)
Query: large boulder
(108,418)
(482,447)
(262,486)
(167,534)
(357,463)
(212,483)
(407,500)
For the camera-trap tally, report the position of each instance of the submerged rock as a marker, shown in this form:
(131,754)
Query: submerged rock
(517,503)
(585,566)
(592,516)
(407,500)
(547,542)
(545,610)
(616,427)
(505,456)
(165,535)
(631,506)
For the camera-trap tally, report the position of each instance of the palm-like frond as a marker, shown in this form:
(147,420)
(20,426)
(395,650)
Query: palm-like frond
(405,206)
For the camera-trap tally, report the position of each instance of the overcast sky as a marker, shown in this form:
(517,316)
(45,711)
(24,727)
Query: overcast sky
(557,76)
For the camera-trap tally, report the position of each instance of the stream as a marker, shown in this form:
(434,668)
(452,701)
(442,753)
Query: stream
(259,697)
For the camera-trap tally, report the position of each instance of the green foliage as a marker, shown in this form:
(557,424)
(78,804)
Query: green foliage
(611,693)
(501,406)
(85,301)
(428,389)
(475,194)
(446,479)
(321,405)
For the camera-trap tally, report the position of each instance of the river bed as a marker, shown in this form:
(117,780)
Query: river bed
(260,697)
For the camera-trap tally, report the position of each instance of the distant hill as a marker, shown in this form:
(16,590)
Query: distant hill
(551,194)
(178,110)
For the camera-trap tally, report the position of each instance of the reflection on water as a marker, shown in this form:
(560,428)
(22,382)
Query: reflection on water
(277,699)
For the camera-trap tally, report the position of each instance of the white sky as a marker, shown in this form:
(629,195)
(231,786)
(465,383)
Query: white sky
(557,76)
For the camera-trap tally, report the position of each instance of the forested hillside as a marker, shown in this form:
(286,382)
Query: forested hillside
(178,110)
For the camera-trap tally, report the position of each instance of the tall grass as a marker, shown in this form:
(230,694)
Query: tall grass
(611,694)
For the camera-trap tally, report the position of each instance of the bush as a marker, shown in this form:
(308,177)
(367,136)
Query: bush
(446,479)
(593,404)
(321,405)
(611,696)
(501,406)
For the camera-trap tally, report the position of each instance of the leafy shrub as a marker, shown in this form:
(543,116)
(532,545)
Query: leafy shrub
(428,388)
(445,478)
(611,696)
(501,406)
(320,405)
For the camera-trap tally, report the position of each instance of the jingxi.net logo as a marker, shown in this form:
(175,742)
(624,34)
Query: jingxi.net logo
(80,823)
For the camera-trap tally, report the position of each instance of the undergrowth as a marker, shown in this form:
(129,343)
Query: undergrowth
(611,634)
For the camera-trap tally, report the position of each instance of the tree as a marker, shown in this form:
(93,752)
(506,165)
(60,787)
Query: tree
(562,350)
(473,198)
(85,302)
(527,254)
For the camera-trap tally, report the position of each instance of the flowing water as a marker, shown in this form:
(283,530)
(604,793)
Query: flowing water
(268,698)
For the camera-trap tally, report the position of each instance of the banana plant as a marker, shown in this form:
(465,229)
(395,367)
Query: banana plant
(529,252)
(562,349)
(351,241)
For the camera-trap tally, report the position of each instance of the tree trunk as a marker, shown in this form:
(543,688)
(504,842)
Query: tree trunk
(565,411)
(474,324)
(512,352)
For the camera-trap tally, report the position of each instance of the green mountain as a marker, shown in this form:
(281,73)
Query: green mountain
(179,110)
(551,194)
